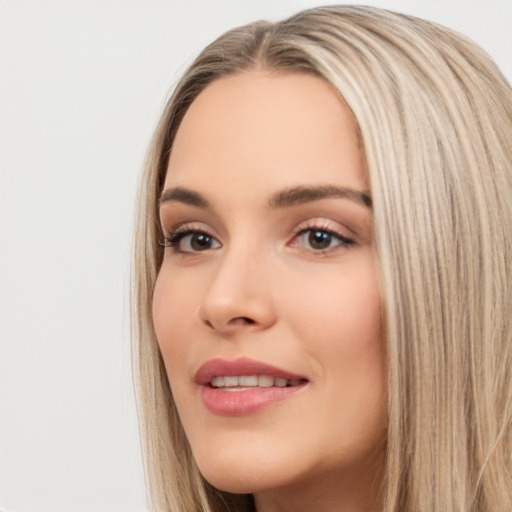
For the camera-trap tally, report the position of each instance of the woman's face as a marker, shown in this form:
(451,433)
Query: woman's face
(266,306)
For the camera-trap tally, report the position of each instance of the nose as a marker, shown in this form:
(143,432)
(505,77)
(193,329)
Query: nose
(239,296)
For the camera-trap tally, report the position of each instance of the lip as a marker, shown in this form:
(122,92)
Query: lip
(247,400)
(240,366)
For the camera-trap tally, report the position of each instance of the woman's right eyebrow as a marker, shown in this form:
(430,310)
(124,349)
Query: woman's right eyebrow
(184,195)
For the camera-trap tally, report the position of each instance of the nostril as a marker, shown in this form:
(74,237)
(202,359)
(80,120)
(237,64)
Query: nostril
(234,322)
(242,320)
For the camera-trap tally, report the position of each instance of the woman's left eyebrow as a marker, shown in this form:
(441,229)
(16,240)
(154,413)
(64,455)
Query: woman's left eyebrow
(304,194)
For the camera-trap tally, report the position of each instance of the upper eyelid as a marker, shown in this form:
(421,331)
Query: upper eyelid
(329,230)
(338,228)
(345,240)
(173,215)
(315,223)
(353,211)
(325,224)
(184,229)
(173,228)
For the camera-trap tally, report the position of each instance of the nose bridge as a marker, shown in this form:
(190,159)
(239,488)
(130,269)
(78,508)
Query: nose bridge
(238,293)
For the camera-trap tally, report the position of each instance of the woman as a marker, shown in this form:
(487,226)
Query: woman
(323,267)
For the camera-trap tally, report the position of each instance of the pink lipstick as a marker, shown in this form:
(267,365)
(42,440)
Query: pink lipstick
(242,386)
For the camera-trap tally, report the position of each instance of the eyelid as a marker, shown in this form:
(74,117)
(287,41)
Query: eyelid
(174,235)
(328,226)
(174,228)
(322,224)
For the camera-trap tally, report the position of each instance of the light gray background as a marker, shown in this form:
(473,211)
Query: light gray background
(81,86)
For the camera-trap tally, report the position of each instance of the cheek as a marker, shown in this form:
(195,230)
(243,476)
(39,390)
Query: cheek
(172,319)
(337,320)
(338,308)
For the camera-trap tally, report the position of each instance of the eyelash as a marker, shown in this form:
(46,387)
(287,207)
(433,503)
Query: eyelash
(176,236)
(343,241)
(173,239)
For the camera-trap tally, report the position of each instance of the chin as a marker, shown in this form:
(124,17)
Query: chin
(242,473)
(233,483)
(236,479)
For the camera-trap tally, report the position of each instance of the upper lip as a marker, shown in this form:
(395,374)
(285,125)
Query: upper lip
(241,366)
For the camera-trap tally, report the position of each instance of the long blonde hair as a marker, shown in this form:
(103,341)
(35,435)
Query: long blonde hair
(435,121)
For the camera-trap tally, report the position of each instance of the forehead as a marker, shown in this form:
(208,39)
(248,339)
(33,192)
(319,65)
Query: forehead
(276,128)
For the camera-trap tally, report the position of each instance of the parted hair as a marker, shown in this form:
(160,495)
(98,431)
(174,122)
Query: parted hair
(434,116)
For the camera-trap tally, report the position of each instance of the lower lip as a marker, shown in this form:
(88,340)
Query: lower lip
(245,401)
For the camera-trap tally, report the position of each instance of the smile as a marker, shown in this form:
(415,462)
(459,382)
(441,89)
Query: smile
(237,383)
(244,386)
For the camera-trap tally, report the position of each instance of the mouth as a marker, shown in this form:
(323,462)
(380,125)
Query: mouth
(243,386)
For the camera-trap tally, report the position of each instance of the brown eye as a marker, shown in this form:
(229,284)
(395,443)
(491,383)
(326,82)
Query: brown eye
(321,239)
(200,241)
(191,241)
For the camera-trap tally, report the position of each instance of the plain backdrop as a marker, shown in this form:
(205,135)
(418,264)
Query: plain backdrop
(81,86)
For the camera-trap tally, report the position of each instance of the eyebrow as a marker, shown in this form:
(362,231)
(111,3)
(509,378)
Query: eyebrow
(184,195)
(305,194)
(283,199)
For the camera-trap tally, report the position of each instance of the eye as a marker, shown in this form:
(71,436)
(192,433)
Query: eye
(317,239)
(190,241)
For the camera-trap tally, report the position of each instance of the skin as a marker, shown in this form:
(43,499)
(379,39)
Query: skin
(261,287)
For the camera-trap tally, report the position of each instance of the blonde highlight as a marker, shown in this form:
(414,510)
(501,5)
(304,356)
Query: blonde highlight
(440,173)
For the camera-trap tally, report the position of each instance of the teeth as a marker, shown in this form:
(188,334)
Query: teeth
(247,380)
(230,381)
(218,382)
(250,381)
(265,381)
(281,383)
